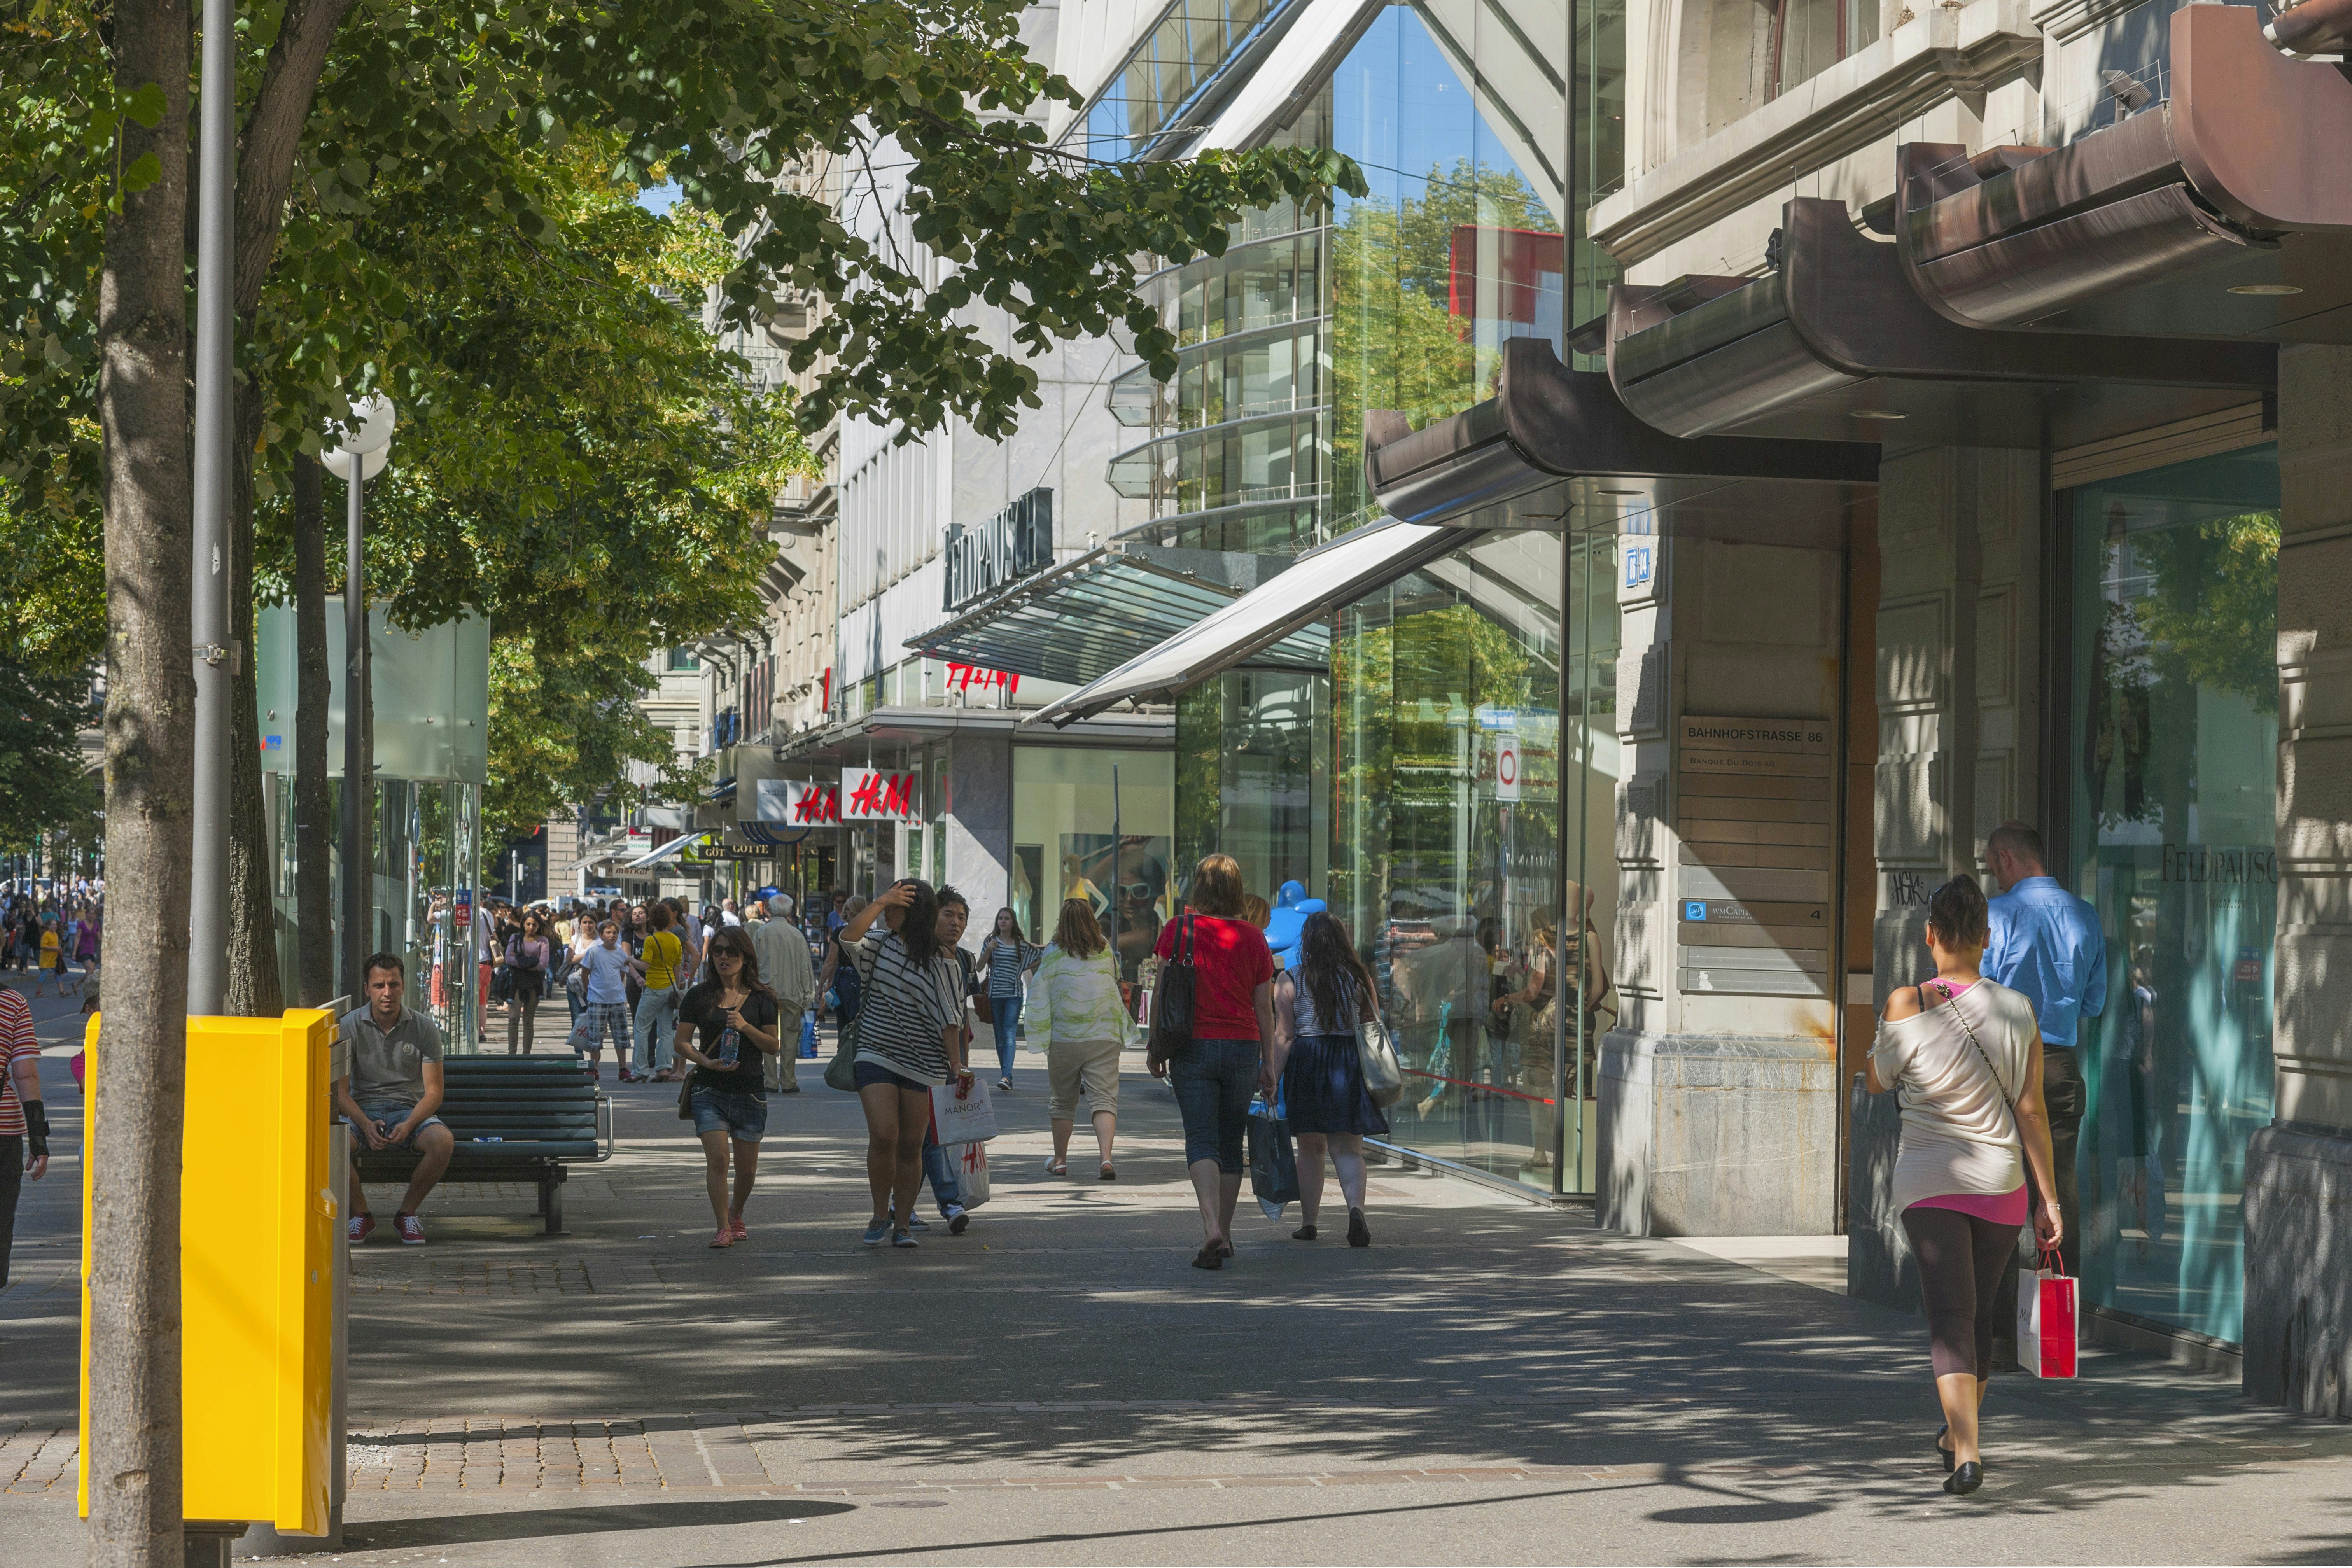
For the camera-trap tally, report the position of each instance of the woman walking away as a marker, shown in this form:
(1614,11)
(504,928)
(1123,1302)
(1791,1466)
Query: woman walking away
(1083,1026)
(734,1014)
(1317,1004)
(1005,955)
(530,955)
(1964,1058)
(1232,1031)
(909,1039)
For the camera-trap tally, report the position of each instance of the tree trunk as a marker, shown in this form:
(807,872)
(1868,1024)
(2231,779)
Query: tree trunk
(133,1461)
(255,988)
(314,811)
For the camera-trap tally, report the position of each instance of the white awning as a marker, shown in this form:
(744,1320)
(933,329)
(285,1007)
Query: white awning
(677,845)
(1321,581)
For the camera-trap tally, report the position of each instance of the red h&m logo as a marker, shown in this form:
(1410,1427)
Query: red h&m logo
(964,676)
(815,803)
(868,793)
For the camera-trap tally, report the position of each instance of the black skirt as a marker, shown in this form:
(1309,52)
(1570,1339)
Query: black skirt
(1323,1087)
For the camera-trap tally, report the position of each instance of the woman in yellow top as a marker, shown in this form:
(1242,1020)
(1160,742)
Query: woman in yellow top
(52,973)
(663,958)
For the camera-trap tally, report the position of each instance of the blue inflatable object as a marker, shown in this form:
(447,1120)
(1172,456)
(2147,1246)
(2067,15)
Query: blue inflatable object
(1291,908)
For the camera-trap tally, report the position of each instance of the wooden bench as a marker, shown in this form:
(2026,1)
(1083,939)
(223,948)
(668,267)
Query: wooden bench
(514,1118)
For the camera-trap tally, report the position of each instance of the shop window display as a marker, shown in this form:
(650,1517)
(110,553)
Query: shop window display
(2176,736)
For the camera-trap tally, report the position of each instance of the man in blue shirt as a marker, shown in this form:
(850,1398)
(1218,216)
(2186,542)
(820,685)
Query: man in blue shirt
(2047,946)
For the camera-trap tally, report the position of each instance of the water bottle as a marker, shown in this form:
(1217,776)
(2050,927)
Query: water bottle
(729,1045)
(489,1138)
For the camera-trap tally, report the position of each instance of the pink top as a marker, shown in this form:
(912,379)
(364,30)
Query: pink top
(2009,1208)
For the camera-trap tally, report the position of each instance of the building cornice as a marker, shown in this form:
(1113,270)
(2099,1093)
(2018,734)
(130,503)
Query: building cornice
(1947,51)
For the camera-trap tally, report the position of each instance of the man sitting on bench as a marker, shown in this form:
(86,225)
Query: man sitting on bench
(392,1091)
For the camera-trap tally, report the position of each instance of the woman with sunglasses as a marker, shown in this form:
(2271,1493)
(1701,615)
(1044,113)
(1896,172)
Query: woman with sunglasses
(734,1014)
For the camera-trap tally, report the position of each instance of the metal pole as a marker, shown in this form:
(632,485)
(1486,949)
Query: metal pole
(1117,968)
(1559,1084)
(1583,830)
(356,760)
(216,655)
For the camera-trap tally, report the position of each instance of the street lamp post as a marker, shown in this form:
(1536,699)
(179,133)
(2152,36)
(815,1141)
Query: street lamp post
(366,448)
(216,656)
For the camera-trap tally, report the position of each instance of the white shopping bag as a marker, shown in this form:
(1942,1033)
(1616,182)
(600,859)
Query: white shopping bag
(971,1172)
(962,1111)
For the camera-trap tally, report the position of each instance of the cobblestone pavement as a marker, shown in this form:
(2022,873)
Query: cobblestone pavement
(1491,1381)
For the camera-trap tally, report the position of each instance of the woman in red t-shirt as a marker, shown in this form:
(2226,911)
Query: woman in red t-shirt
(1232,1031)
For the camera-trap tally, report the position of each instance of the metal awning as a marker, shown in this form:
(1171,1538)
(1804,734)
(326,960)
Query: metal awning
(1555,448)
(1087,617)
(677,845)
(1237,636)
(2222,210)
(1836,345)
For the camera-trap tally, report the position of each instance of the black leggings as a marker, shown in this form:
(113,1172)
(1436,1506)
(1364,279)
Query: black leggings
(1960,1262)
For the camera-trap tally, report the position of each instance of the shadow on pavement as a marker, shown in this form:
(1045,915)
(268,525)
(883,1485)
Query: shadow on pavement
(530,1523)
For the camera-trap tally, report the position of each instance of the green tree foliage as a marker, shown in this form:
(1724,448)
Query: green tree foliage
(2212,619)
(44,788)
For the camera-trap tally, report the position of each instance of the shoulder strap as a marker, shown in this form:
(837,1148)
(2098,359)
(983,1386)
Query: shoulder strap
(1952,1001)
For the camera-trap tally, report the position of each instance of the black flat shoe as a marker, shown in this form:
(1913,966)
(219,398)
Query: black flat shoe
(1964,1480)
(1948,1460)
(1304,1232)
(1209,1258)
(1358,1232)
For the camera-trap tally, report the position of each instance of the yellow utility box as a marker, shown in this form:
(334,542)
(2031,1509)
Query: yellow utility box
(257,1269)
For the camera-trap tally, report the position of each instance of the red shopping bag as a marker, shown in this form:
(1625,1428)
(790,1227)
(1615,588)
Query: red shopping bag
(2048,1318)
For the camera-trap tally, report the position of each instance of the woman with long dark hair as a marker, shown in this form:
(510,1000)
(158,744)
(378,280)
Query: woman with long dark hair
(1232,1031)
(909,1040)
(1964,1056)
(734,1013)
(1005,955)
(530,955)
(1319,1004)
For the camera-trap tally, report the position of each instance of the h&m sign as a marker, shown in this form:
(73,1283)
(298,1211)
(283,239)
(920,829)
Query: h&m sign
(871,794)
(1011,544)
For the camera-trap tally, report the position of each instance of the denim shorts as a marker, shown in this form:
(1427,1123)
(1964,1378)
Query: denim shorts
(1214,1080)
(391,1114)
(741,1115)
(866,1075)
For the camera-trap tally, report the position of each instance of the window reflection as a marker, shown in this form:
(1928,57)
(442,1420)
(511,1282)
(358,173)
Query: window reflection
(2177,715)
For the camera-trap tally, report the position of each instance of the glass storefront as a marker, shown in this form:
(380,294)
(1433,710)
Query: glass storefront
(2176,735)
(1449,856)
(1254,769)
(1073,839)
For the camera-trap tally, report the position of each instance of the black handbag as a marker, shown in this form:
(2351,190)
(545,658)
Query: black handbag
(1172,1001)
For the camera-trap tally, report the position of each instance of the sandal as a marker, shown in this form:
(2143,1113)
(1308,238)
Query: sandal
(1225,1249)
(1109,1172)
(725,1236)
(1058,1167)
(1209,1256)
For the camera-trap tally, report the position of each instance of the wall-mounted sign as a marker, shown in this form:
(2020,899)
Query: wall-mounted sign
(1507,765)
(870,795)
(964,676)
(1755,802)
(1011,544)
(796,802)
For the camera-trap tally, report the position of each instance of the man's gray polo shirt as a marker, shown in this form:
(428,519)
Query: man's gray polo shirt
(389,1064)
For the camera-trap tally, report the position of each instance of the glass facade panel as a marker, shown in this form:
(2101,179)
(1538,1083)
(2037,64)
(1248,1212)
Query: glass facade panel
(1066,823)
(1253,754)
(1449,860)
(2176,739)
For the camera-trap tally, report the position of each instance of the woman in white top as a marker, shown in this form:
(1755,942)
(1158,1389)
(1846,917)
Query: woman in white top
(1318,1002)
(1076,1011)
(1964,1058)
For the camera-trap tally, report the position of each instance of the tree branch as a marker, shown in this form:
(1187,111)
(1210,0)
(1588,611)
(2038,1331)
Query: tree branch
(273,136)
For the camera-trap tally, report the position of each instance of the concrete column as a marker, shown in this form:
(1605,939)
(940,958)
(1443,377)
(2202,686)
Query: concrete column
(1718,1091)
(979,825)
(2298,1195)
(1959,542)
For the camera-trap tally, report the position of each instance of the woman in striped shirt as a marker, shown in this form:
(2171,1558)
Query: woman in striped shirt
(1005,955)
(909,1039)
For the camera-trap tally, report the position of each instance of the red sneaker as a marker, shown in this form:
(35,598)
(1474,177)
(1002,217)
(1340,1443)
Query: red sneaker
(362,1225)
(412,1231)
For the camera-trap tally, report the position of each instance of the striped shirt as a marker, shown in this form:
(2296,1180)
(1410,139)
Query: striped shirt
(903,1011)
(1006,959)
(15,1040)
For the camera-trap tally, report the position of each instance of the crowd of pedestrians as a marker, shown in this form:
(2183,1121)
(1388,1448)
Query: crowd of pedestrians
(51,935)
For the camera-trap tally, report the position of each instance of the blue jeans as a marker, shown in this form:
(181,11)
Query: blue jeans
(941,1169)
(1214,1080)
(1006,1013)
